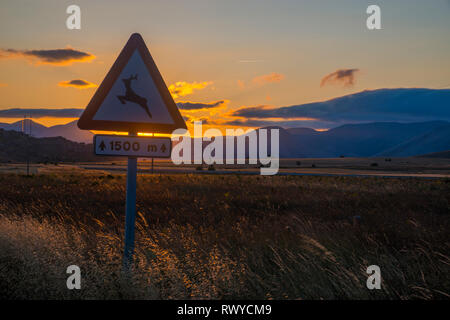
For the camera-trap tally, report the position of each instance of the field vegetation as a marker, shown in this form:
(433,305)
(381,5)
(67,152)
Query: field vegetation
(225,237)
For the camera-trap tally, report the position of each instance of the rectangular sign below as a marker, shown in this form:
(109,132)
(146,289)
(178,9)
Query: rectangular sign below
(116,145)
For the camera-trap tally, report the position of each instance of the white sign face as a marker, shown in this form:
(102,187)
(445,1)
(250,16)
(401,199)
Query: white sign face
(134,97)
(149,147)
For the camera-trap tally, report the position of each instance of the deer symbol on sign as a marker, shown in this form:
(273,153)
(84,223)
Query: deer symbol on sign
(132,96)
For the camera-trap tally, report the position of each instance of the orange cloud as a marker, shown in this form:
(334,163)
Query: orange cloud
(77,83)
(268,78)
(183,88)
(3,84)
(57,57)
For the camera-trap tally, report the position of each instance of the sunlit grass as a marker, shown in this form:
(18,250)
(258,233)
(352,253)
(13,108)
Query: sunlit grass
(225,237)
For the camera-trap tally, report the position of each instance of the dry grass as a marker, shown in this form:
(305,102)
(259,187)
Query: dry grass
(225,237)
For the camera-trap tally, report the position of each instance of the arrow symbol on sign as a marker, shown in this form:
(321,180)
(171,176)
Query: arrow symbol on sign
(163,148)
(102,145)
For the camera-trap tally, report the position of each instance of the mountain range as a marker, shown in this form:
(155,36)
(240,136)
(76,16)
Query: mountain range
(69,131)
(20,147)
(406,122)
(366,140)
(352,140)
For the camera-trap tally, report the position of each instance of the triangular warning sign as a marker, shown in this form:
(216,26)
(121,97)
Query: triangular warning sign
(133,96)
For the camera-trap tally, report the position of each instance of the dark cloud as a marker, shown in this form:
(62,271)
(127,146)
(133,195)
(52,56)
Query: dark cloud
(39,113)
(200,105)
(204,120)
(191,120)
(402,105)
(54,56)
(345,77)
(256,112)
(77,83)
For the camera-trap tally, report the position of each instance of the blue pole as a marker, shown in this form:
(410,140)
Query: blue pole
(130,211)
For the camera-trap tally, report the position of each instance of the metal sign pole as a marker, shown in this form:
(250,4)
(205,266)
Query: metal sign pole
(152,158)
(28,153)
(130,211)
(102,115)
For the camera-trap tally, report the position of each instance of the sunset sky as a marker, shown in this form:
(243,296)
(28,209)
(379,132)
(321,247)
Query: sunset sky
(219,56)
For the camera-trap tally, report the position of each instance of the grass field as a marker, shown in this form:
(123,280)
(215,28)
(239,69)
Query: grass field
(225,237)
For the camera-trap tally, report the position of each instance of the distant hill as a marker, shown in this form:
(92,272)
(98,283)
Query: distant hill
(442,155)
(18,147)
(380,138)
(297,131)
(367,140)
(436,139)
(69,131)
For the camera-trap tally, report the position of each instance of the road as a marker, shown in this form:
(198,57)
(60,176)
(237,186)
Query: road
(282,172)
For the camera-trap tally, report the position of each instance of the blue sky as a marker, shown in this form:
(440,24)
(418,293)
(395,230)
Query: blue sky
(229,45)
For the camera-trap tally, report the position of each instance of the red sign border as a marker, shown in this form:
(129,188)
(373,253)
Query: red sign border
(86,121)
